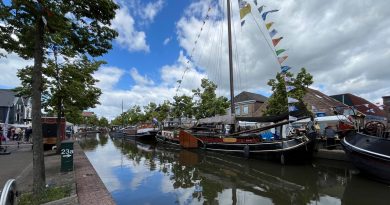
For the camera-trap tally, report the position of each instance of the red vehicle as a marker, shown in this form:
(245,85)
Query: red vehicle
(49,131)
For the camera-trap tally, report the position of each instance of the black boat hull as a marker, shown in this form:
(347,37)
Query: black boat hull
(371,155)
(296,150)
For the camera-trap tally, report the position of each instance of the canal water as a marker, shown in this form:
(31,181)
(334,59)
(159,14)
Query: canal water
(147,173)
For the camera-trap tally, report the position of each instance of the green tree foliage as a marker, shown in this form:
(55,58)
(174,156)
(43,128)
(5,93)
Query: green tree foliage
(163,111)
(207,103)
(103,122)
(75,91)
(182,106)
(29,28)
(277,103)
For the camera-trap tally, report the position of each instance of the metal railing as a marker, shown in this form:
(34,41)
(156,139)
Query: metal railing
(9,193)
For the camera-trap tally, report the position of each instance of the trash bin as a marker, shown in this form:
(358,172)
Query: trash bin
(66,156)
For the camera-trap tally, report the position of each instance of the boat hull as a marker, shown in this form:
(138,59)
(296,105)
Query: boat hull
(371,155)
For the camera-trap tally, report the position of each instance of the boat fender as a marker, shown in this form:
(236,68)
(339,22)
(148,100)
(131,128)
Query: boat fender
(246,151)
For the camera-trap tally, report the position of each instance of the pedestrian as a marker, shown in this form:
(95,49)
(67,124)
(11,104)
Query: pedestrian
(18,131)
(310,129)
(28,134)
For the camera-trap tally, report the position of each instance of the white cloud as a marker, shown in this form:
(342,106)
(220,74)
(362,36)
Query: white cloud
(108,77)
(151,9)
(167,40)
(140,80)
(344,45)
(128,36)
(9,67)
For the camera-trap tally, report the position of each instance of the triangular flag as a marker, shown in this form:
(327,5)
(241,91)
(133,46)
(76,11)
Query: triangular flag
(264,15)
(280,51)
(268,25)
(285,68)
(292,100)
(288,79)
(281,59)
(273,33)
(260,9)
(276,41)
(290,88)
(242,23)
(292,118)
(255,1)
(292,108)
(245,9)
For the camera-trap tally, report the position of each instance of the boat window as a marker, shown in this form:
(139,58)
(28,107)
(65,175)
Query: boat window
(245,109)
(238,110)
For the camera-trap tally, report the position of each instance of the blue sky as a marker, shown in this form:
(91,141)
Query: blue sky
(343,44)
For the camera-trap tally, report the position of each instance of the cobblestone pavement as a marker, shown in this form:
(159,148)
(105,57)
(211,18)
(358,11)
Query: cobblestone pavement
(90,188)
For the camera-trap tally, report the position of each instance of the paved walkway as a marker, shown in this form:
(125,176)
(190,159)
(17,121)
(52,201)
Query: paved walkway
(90,188)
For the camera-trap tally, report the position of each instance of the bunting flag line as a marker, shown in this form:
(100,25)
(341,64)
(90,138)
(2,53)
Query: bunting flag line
(260,9)
(292,118)
(285,68)
(245,8)
(273,33)
(276,41)
(290,88)
(280,51)
(268,25)
(292,108)
(255,1)
(264,15)
(242,23)
(292,100)
(281,59)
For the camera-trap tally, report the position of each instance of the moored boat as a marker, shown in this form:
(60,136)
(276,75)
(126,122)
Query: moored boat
(370,154)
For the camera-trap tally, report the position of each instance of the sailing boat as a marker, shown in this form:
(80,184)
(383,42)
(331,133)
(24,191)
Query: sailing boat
(224,137)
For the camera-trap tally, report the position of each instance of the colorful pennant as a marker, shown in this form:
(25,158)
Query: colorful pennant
(282,59)
(242,23)
(245,8)
(264,15)
(273,33)
(290,88)
(280,51)
(255,1)
(260,9)
(268,25)
(288,79)
(292,108)
(285,68)
(276,41)
(292,100)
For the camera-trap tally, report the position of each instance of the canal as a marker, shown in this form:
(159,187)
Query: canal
(148,173)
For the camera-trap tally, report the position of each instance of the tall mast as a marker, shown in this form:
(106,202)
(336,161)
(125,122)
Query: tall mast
(232,107)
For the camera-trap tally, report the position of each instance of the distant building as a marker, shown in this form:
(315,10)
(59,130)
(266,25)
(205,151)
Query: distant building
(386,108)
(88,114)
(247,103)
(370,110)
(18,108)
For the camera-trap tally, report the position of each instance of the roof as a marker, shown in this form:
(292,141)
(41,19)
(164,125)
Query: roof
(7,97)
(319,102)
(88,114)
(362,105)
(246,96)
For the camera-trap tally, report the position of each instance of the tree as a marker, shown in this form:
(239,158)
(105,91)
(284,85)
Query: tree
(208,104)
(103,122)
(76,27)
(67,92)
(163,111)
(277,103)
(182,106)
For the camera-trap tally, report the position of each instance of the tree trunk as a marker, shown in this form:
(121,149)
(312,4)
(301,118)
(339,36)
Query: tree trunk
(59,110)
(38,158)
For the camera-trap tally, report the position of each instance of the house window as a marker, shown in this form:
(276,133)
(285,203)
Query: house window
(238,110)
(245,109)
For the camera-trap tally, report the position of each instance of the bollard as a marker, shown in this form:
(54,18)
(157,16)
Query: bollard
(66,156)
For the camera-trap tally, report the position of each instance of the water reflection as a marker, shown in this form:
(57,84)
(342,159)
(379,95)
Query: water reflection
(139,173)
